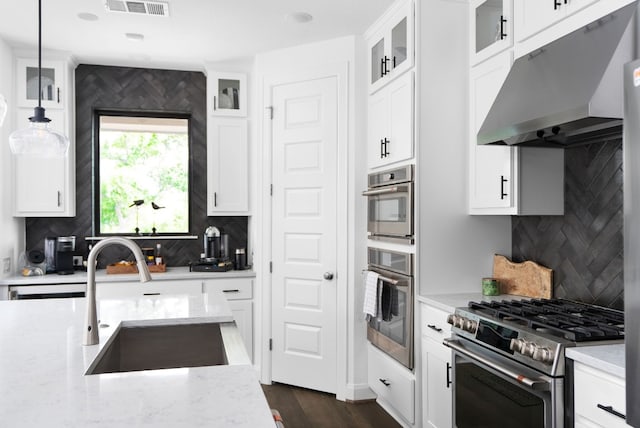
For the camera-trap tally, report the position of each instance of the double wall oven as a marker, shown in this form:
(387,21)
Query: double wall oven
(509,365)
(392,329)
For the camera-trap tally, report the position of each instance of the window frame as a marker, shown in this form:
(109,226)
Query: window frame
(95,176)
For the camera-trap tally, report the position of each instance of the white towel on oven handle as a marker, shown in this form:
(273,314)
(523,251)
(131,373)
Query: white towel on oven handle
(371,293)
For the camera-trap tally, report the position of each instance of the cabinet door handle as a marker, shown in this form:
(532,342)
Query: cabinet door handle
(381,148)
(383,66)
(231,291)
(59,198)
(215,103)
(609,409)
(215,199)
(502,22)
(449,375)
(385,382)
(433,327)
(385,143)
(58,95)
(150,294)
(557,4)
(502,181)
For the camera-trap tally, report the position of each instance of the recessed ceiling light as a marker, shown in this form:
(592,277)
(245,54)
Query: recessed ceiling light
(88,16)
(136,37)
(299,17)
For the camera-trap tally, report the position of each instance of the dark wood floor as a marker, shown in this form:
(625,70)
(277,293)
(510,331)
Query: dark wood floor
(303,408)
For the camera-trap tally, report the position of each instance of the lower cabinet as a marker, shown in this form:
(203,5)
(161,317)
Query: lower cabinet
(393,383)
(239,292)
(599,398)
(108,290)
(437,398)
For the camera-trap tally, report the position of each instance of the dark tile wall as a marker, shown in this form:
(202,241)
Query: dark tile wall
(585,246)
(137,89)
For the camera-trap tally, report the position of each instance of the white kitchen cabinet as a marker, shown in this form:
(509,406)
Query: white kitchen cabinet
(506,180)
(116,290)
(4,292)
(42,186)
(491,29)
(239,294)
(390,45)
(390,123)
(227,167)
(227,93)
(437,398)
(537,23)
(599,398)
(393,383)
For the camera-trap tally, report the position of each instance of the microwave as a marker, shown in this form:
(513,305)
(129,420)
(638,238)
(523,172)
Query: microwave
(390,205)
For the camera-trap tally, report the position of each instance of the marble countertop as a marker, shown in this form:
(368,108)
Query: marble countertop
(80,277)
(608,358)
(43,361)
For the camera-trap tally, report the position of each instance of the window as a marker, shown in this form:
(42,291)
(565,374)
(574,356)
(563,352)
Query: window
(142,176)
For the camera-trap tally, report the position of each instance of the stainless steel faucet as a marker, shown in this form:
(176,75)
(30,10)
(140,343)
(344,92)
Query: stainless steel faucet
(91,323)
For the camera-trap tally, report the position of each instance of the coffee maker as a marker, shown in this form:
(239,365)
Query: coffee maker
(65,246)
(215,255)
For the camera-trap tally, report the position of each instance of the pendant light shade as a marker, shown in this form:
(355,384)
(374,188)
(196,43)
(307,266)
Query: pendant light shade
(38,139)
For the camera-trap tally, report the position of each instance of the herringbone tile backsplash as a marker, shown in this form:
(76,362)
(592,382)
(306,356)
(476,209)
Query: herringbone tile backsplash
(138,89)
(585,246)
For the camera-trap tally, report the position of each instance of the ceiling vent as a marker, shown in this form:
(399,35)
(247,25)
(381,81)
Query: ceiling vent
(152,8)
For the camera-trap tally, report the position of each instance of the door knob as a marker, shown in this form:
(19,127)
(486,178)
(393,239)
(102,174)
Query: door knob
(328,276)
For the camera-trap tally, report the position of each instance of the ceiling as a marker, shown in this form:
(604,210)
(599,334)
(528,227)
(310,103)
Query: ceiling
(194,33)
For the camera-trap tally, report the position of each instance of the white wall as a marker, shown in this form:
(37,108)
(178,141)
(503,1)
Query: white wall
(12,238)
(349,51)
(455,249)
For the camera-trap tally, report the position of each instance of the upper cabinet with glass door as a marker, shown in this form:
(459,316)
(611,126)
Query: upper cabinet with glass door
(391,45)
(52,78)
(491,28)
(227,93)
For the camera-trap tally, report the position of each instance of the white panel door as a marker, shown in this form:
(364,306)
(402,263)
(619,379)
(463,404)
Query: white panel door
(304,234)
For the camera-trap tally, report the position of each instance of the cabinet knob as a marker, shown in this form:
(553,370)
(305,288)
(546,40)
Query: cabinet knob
(328,276)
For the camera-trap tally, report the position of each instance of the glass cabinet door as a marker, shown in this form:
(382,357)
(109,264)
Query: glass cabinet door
(399,43)
(378,62)
(228,94)
(490,24)
(50,85)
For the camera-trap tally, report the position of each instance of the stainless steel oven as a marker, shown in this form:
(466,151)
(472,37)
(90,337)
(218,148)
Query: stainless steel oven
(492,391)
(509,366)
(392,329)
(390,205)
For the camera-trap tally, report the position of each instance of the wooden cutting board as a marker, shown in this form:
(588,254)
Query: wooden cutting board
(527,279)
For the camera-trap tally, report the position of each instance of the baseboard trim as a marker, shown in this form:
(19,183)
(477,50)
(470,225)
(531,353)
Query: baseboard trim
(359,392)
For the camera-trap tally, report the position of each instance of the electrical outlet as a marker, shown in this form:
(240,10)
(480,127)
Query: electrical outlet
(6,265)
(77,261)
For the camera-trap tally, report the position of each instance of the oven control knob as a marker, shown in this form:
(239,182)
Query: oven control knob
(470,326)
(517,345)
(455,320)
(528,349)
(542,354)
(451,319)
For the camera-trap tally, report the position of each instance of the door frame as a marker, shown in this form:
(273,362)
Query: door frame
(340,71)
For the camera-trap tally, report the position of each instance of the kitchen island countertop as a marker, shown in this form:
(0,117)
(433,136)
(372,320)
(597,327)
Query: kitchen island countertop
(43,361)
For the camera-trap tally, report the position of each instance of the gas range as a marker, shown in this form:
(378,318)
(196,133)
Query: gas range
(536,332)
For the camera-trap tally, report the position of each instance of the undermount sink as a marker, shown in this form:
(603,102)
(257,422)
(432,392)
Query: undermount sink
(147,347)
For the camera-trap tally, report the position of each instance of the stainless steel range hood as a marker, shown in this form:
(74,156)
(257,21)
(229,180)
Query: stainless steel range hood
(569,91)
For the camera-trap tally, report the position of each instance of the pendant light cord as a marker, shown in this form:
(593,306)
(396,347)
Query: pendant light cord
(39,53)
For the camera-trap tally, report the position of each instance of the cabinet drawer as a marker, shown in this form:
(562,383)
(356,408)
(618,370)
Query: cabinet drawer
(592,388)
(116,290)
(433,322)
(231,288)
(392,383)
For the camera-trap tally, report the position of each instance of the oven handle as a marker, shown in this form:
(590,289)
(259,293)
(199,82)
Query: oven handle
(536,385)
(384,191)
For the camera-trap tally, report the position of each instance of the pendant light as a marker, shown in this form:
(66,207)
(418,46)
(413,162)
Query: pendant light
(38,139)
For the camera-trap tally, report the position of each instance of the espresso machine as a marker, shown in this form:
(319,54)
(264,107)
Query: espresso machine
(215,255)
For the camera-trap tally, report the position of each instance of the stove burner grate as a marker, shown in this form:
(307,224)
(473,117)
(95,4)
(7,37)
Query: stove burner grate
(574,321)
